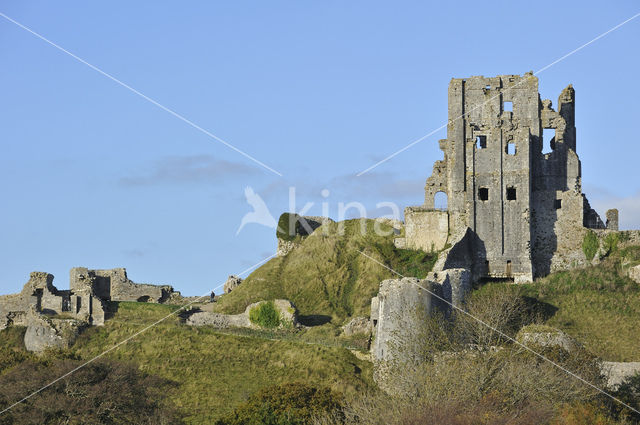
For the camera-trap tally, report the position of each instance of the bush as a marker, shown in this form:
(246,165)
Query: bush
(286,404)
(102,392)
(590,245)
(288,226)
(265,315)
(629,393)
(611,243)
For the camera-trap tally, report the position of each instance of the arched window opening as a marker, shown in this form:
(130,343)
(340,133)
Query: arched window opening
(440,201)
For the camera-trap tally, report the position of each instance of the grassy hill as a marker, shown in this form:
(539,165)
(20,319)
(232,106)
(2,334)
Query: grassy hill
(327,275)
(598,305)
(215,371)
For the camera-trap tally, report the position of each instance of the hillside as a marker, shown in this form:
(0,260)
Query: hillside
(214,370)
(327,275)
(329,281)
(598,305)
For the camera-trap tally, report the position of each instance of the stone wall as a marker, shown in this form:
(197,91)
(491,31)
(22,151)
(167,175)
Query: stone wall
(39,302)
(286,309)
(519,195)
(426,229)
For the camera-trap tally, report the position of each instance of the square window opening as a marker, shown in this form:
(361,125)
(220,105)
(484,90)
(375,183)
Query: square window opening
(507,106)
(548,140)
(511,148)
(481,142)
(487,87)
(557,204)
(483,194)
(511,194)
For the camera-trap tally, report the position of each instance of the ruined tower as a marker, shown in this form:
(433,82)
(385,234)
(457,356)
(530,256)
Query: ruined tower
(517,205)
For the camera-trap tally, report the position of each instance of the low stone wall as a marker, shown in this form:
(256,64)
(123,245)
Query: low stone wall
(286,309)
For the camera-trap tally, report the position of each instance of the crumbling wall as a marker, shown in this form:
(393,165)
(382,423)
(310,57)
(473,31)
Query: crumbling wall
(85,302)
(114,285)
(426,229)
(297,228)
(521,200)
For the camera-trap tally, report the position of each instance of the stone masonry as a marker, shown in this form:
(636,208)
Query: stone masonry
(520,196)
(53,317)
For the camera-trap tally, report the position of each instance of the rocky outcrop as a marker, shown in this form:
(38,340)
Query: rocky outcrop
(232,283)
(357,326)
(617,372)
(634,273)
(285,308)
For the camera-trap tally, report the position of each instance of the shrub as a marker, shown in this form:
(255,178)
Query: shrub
(611,243)
(288,226)
(590,245)
(102,392)
(265,315)
(286,404)
(629,393)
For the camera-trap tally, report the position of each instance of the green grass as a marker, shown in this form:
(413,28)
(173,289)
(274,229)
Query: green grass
(327,274)
(597,305)
(217,370)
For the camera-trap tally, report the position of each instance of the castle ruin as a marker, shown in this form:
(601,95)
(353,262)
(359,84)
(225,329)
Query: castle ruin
(515,210)
(54,317)
(518,204)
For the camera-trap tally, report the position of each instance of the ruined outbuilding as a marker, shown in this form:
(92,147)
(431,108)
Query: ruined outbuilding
(53,317)
(513,194)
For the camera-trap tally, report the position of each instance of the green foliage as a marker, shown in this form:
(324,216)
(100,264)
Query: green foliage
(102,392)
(590,245)
(328,274)
(12,351)
(588,303)
(611,243)
(266,315)
(215,369)
(288,226)
(287,404)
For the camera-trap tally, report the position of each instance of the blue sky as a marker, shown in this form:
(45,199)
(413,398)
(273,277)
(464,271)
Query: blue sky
(93,175)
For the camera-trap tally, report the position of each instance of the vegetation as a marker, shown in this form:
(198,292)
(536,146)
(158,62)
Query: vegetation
(458,383)
(590,245)
(252,376)
(328,275)
(266,315)
(288,226)
(103,392)
(12,351)
(215,370)
(287,404)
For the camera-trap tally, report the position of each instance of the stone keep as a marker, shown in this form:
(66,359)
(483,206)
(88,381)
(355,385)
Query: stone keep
(522,201)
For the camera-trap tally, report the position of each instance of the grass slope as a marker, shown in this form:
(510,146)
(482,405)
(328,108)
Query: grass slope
(216,371)
(327,274)
(598,305)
